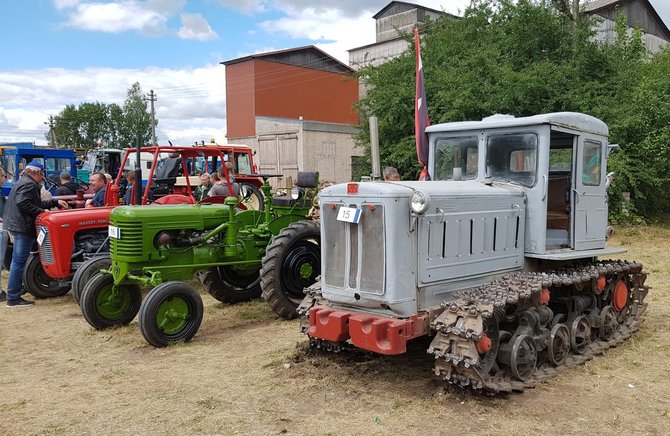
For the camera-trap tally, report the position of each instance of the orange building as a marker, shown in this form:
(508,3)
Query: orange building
(295,107)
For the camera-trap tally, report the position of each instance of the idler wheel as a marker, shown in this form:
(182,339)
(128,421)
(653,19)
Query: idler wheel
(620,295)
(608,323)
(523,359)
(559,344)
(580,334)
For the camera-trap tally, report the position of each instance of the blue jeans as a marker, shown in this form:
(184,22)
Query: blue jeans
(22,246)
(4,237)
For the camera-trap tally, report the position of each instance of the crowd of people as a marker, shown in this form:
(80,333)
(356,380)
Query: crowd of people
(216,184)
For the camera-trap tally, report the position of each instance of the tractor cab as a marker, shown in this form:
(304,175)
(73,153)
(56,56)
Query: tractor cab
(557,159)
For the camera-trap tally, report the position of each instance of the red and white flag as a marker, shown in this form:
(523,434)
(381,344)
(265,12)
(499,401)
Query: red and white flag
(421,120)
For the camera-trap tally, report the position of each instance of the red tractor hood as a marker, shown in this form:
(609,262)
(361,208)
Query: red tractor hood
(87,217)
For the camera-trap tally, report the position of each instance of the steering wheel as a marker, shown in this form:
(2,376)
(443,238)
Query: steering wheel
(83,185)
(49,183)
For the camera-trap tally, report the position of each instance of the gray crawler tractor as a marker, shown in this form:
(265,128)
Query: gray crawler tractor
(496,258)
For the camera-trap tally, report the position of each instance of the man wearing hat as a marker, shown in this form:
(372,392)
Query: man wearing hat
(22,207)
(67,186)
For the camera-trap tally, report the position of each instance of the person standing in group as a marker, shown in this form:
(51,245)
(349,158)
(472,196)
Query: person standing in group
(3,234)
(203,189)
(99,184)
(22,207)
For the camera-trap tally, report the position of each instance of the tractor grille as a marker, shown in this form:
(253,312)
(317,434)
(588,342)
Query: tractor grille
(46,251)
(355,252)
(130,243)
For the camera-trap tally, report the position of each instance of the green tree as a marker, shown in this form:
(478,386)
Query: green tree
(84,126)
(136,118)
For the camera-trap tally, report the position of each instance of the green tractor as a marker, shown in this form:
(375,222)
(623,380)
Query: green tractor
(229,249)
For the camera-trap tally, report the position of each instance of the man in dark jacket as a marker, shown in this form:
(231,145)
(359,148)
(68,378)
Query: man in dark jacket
(22,207)
(67,186)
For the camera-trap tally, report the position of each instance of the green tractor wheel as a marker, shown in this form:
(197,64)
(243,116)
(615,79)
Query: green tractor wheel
(292,262)
(171,313)
(38,283)
(102,308)
(87,270)
(232,285)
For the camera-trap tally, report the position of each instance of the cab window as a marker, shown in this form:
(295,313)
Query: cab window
(456,158)
(512,157)
(242,163)
(591,163)
(58,164)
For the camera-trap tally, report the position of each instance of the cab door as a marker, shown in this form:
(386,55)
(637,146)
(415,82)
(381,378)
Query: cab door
(589,198)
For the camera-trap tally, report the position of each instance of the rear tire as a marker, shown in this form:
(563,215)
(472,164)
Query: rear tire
(171,313)
(292,262)
(228,285)
(101,309)
(86,271)
(38,283)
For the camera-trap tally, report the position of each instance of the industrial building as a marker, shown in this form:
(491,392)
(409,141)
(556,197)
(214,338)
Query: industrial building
(295,108)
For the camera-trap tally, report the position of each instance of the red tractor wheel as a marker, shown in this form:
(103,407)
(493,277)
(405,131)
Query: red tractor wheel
(38,283)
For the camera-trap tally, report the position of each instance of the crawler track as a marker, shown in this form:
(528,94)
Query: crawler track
(523,309)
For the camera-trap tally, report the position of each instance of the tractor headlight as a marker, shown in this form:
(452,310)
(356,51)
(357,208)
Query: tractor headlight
(419,202)
(295,193)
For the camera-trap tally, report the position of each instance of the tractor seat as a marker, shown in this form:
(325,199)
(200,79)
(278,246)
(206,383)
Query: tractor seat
(306,180)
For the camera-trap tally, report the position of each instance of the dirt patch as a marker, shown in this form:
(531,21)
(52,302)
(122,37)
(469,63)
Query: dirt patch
(246,372)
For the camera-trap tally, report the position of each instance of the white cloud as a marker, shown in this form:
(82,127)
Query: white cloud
(194,26)
(246,6)
(325,28)
(65,4)
(190,106)
(150,17)
(116,17)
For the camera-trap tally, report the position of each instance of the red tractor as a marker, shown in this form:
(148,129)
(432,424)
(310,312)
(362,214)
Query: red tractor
(73,244)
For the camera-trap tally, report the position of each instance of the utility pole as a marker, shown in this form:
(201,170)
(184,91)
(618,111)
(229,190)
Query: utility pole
(52,132)
(152,98)
(575,9)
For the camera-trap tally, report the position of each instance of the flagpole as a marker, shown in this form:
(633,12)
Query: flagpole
(421,120)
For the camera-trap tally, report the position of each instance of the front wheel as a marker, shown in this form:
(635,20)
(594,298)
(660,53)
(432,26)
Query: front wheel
(171,313)
(292,262)
(38,283)
(103,308)
(87,270)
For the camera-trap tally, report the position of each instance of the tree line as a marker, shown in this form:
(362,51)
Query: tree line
(88,124)
(529,57)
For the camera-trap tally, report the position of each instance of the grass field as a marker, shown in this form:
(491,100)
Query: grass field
(246,372)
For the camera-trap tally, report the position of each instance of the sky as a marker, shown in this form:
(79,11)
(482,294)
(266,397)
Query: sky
(59,52)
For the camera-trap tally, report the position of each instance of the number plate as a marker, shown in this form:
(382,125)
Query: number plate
(349,214)
(114,232)
(41,236)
